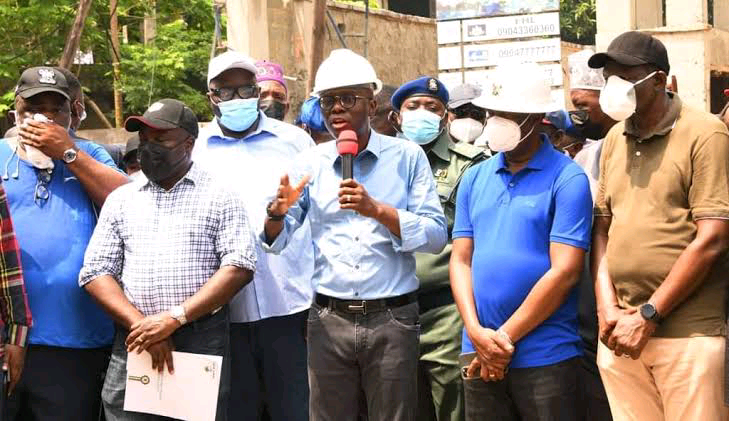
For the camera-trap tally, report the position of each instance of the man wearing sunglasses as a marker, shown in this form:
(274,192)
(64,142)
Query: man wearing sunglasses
(252,151)
(363,326)
(53,185)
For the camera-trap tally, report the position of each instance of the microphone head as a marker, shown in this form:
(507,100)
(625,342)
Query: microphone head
(347,143)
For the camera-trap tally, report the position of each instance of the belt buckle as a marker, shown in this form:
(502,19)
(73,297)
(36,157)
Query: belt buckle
(355,308)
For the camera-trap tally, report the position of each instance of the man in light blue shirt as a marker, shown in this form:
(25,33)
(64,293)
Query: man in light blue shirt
(363,327)
(250,151)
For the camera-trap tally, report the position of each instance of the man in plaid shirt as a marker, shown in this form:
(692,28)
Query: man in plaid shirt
(168,254)
(13,299)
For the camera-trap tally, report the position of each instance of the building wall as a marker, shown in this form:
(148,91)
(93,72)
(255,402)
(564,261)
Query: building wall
(400,47)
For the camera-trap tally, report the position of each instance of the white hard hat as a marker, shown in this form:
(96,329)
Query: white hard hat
(518,88)
(583,76)
(343,68)
(230,60)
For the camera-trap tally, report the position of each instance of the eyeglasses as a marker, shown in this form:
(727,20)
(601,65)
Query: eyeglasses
(579,117)
(226,94)
(347,101)
(41,187)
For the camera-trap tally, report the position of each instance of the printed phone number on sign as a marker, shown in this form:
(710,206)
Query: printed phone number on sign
(526,30)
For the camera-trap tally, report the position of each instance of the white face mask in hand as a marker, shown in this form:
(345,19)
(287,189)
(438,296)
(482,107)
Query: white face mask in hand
(503,135)
(465,129)
(618,99)
(36,157)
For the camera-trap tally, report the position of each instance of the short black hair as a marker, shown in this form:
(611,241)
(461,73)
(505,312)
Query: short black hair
(73,83)
(383,99)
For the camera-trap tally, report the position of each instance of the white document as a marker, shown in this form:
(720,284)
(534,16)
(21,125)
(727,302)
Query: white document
(190,394)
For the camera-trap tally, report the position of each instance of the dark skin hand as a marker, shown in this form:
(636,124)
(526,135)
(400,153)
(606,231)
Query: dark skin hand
(352,195)
(53,140)
(13,365)
(232,78)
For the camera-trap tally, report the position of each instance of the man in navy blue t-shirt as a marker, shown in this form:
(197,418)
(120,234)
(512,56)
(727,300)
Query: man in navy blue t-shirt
(521,230)
(53,185)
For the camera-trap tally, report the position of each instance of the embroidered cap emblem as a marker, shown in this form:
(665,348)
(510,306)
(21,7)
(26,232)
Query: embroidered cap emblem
(432,85)
(47,76)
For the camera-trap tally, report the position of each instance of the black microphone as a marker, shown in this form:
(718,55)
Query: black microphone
(347,148)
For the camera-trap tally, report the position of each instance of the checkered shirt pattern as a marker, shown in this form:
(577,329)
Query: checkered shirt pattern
(163,246)
(13,298)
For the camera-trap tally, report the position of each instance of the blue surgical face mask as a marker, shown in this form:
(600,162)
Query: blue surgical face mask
(421,126)
(238,114)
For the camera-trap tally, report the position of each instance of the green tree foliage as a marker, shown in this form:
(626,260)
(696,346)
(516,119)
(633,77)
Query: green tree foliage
(577,21)
(173,65)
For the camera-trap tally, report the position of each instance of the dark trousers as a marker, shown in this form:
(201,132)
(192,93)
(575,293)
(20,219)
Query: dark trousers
(268,365)
(595,406)
(548,393)
(59,384)
(209,335)
(376,353)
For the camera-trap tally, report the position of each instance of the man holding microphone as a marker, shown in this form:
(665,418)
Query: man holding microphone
(363,326)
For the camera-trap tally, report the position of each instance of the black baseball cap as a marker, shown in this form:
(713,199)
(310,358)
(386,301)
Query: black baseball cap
(37,80)
(633,49)
(165,114)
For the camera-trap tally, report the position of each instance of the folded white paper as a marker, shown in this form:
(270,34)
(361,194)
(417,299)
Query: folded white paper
(190,394)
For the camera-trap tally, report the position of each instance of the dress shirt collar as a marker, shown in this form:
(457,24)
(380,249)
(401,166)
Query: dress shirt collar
(193,175)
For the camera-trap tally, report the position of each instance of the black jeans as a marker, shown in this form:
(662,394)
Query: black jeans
(548,393)
(376,353)
(59,384)
(209,335)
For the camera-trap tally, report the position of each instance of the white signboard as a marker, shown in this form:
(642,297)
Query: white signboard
(449,32)
(506,27)
(451,80)
(483,55)
(478,77)
(449,58)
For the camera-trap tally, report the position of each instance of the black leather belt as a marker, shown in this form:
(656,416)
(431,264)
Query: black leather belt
(433,299)
(364,306)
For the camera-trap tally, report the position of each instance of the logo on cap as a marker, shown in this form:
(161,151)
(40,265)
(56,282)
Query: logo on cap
(155,107)
(432,85)
(47,76)
(496,89)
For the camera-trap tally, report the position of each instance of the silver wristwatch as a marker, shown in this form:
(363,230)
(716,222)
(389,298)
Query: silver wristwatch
(178,313)
(70,155)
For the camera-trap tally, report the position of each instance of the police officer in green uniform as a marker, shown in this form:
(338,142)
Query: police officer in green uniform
(420,116)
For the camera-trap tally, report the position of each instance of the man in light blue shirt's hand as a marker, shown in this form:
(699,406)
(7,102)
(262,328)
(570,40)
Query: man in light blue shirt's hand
(250,151)
(363,326)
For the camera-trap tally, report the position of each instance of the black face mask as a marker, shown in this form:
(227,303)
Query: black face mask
(584,127)
(160,163)
(273,109)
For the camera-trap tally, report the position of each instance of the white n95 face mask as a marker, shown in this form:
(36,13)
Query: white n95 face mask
(617,98)
(503,135)
(465,129)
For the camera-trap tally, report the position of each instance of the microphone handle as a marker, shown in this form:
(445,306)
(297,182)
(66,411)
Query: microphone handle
(347,170)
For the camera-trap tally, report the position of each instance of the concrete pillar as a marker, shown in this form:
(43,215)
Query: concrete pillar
(248,26)
(616,16)
(648,14)
(682,13)
(721,14)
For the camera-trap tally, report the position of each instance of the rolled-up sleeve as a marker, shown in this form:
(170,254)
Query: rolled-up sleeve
(423,226)
(105,252)
(234,243)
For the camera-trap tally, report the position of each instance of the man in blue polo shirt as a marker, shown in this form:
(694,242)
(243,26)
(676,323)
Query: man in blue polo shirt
(522,227)
(251,151)
(53,184)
